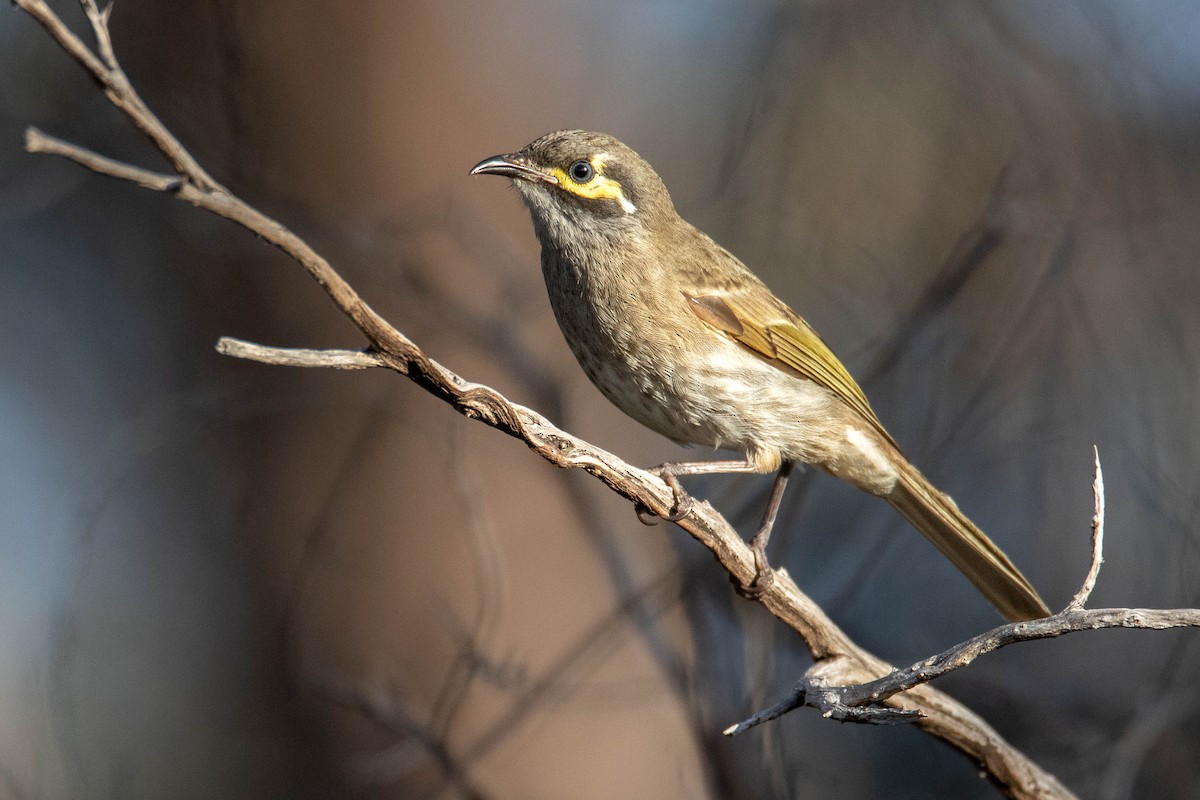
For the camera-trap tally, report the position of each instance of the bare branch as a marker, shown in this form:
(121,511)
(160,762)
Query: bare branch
(1089,582)
(38,142)
(298,357)
(108,73)
(860,703)
(63,35)
(99,20)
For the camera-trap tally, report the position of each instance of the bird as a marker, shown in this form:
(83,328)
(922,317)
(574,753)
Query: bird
(681,336)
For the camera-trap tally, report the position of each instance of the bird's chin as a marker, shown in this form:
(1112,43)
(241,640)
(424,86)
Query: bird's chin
(536,197)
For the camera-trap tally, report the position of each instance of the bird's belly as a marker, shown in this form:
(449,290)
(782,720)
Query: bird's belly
(651,392)
(716,396)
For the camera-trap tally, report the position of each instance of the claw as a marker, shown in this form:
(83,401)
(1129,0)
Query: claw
(764,573)
(646,516)
(681,504)
(683,507)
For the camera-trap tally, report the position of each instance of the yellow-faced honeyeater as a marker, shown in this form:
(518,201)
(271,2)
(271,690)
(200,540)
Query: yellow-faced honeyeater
(682,337)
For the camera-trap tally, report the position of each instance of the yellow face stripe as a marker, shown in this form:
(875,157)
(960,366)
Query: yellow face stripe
(599,187)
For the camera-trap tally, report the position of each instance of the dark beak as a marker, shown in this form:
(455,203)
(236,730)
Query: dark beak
(513,165)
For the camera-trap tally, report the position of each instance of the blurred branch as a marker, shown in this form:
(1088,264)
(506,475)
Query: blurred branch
(967,256)
(861,703)
(416,740)
(1129,752)
(468,487)
(419,741)
(839,661)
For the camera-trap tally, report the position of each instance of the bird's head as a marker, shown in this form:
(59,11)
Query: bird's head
(577,183)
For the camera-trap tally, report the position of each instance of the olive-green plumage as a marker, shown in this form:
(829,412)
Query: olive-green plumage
(682,337)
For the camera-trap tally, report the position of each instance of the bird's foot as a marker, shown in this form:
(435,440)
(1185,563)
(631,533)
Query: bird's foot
(681,504)
(764,573)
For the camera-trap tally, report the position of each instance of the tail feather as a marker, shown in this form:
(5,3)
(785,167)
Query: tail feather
(937,517)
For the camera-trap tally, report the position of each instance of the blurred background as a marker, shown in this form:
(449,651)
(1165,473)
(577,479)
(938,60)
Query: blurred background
(223,579)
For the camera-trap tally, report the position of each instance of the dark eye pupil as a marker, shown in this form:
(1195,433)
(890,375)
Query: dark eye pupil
(581,171)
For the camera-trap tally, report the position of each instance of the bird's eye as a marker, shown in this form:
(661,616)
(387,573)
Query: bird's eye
(582,171)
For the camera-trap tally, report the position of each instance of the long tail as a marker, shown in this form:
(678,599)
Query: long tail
(937,517)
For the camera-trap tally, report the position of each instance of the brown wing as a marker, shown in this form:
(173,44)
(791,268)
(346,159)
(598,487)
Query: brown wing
(759,321)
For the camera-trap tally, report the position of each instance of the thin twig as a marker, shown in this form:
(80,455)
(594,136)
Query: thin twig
(99,20)
(1089,583)
(108,73)
(298,357)
(857,703)
(38,142)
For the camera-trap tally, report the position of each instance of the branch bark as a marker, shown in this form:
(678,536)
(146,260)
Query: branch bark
(839,662)
(861,703)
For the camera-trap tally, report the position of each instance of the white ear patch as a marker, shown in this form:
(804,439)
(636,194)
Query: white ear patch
(598,162)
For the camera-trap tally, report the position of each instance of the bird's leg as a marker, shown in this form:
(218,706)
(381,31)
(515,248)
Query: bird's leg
(764,574)
(681,506)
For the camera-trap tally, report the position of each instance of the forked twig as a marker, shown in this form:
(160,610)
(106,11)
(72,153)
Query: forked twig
(861,702)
